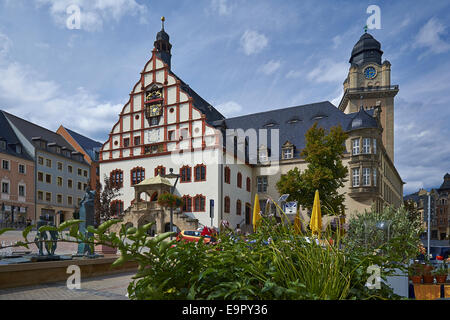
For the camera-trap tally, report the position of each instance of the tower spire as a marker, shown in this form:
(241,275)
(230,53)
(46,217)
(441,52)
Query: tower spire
(162,44)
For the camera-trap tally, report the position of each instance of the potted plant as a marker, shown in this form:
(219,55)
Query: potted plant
(428,277)
(442,272)
(416,272)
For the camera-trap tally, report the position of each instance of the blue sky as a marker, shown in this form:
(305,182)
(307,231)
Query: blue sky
(241,56)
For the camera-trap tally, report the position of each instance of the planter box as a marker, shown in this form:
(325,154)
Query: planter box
(427,291)
(105,249)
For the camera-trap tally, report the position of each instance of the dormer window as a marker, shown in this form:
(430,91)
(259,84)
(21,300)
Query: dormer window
(263,154)
(287,150)
(2,144)
(270,124)
(318,117)
(18,148)
(294,120)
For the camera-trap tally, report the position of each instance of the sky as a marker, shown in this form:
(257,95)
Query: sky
(242,56)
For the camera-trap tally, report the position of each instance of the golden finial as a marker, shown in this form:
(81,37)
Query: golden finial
(162,21)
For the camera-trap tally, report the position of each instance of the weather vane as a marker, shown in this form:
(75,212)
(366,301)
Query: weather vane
(163,19)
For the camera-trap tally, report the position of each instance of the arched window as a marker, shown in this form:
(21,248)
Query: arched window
(160,170)
(239,180)
(137,175)
(200,172)
(227,204)
(249,185)
(227,175)
(154,197)
(116,178)
(185,174)
(187,204)
(116,207)
(238,207)
(199,203)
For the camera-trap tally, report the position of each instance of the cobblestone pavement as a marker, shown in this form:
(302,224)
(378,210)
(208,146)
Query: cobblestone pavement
(112,287)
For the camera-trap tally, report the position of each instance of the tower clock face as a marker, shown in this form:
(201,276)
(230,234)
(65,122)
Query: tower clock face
(370,73)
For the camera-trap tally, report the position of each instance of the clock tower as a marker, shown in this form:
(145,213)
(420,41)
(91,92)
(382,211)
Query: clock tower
(368,84)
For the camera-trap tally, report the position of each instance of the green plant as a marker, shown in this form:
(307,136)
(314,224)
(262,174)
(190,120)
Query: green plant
(403,241)
(170,200)
(325,172)
(415,270)
(441,271)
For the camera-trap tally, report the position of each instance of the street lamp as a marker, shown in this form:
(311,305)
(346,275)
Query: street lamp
(171,175)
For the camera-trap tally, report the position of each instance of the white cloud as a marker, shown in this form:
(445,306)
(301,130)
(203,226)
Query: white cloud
(253,42)
(270,67)
(328,71)
(222,7)
(94,13)
(23,92)
(429,37)
(229,108)
(5,45)
(293,74)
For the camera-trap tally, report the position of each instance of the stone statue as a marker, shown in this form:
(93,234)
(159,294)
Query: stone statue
(40,237)
(87,215)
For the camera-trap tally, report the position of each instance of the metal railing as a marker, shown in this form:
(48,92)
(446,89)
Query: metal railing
(370,89)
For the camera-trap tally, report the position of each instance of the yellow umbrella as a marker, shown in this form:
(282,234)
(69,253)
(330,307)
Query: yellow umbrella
(256,213)
(297,222)
(316,217)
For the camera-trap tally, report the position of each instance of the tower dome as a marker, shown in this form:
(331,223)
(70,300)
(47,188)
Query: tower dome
(367,49)
(162,45)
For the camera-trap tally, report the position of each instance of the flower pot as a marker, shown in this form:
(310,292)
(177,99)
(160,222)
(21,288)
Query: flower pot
(427,278)
(427,269)
(441,278)
(416,279)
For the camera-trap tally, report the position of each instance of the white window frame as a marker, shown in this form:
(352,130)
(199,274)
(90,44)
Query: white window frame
(24,190)
(288,153)
(366,175)
(8,164)
(24,168)
(8,187)
(355,177)
(262,181)
(355,146)
(366,146)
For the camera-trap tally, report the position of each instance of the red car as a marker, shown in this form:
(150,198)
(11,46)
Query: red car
(194,236)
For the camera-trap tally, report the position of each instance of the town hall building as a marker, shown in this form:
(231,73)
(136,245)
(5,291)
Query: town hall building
(167,127)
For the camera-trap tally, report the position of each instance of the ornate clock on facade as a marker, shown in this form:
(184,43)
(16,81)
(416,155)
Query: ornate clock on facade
(153,105)
(370,73)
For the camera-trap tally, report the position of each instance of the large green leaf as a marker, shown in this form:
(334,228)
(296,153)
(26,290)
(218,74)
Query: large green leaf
(48,228)
(26,231)
(69,223)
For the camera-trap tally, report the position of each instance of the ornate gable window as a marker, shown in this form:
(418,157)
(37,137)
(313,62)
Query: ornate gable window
(116,178)
(287,150)
(185,173)
(199,203)
(187,204)
(137,175)
(160,170)
(200,172)
(227,175)
(153,105)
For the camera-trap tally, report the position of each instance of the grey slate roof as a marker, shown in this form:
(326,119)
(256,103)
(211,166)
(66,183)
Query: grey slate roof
(212,114)
(31,130)
(446,184)
(88,145)
(367,49)
(7,134)
(362,120)
(324,113)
